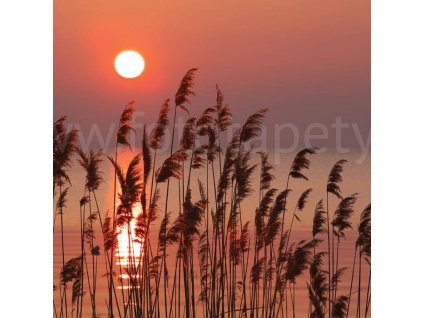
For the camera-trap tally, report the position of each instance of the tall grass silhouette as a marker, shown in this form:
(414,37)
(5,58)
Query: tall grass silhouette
(222,263)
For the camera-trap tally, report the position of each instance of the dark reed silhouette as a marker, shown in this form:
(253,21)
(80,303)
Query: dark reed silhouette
(223,264)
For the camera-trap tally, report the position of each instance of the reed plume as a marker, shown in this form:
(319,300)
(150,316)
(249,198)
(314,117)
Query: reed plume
(340,307)
(274,221)
(171,167)
(223,113)
(335,177)
(89,232)
(266,175)
(147,216)
(252,126)
(303,200)
(188,134)
(188,222)
(261,213)
(163,235)
(257,271)
(72,272)
(297,262)
(299,259)
(336,277)
(158,132)
(146,156)
(185,90)
(319,219)
(341,219)
(364,231)
(61,201)
(125,126)
(238,245)
(300,163)
(109,236)
(147,163)
(243,173)
(131,186)
(225,178)
(206,121)
(64,146)
(153,209)
(91,164)
(198,161)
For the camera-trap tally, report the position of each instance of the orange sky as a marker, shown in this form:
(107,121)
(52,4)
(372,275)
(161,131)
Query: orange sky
(307,60)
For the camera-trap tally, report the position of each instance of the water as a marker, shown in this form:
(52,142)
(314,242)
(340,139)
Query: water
(356,179)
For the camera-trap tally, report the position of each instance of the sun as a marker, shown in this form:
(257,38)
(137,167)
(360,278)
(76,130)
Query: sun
(129,64)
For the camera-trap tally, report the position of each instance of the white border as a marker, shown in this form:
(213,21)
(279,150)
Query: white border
(397,153)
(26,73)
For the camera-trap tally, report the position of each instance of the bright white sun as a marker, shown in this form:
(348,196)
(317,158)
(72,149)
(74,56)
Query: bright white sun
(129,64)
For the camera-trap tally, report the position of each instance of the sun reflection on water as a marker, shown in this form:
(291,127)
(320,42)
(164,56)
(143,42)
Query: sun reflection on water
(129,251)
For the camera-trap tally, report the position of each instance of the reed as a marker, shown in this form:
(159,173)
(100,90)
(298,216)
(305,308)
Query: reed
(332,186)
(223,263)
(64,146)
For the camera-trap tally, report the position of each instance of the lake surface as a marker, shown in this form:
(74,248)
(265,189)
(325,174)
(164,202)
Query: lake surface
(356,179)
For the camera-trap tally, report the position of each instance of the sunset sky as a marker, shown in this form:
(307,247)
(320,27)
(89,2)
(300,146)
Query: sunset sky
(307,61)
